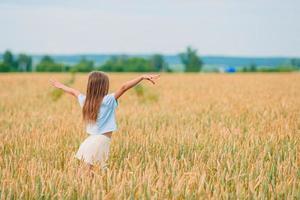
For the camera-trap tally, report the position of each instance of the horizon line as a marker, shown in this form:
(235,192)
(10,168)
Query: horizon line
(146,54)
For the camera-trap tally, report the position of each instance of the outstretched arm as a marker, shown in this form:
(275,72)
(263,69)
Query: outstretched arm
(65,88)
(129,84)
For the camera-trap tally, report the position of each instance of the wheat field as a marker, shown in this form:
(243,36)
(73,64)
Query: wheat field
(191,136)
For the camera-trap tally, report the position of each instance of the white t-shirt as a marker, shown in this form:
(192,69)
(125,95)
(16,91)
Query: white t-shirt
(106,120)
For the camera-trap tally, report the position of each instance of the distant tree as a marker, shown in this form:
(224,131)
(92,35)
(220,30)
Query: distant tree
(24,63)
(157,62)
(84,65)
(295,62)
(68,68)
(126,64)
(8,57)
(47,64)
(115,64)
(244,69)
(167,68)
(47,59)
(8,60)
(191,60)
(4,67)
(253,68)
(138,65)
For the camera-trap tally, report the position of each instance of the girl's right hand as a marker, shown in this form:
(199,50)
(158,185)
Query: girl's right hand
(150,77)
(56,83)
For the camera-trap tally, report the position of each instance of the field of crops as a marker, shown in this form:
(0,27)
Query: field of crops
(190,136)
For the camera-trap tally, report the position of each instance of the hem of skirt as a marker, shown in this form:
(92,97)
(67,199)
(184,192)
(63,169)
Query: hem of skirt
(103,165)
(82,159)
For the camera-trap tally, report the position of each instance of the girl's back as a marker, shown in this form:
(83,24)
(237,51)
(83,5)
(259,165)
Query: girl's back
(106,121)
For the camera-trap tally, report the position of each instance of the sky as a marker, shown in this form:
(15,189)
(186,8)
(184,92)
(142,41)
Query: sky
(213,27)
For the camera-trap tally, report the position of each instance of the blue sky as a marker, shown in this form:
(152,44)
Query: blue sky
(214,27)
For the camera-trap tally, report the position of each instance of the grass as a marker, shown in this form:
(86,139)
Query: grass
(204,136)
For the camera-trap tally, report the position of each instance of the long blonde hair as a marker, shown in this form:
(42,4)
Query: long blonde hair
(97,88)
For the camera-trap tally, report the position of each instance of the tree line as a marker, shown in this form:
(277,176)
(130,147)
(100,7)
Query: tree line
(290,66)
(24,63)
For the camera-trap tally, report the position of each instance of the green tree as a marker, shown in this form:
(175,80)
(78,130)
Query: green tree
(295,62)
(126,64)
(253,68)
(47,64)
(115,64)
(84,65)
(245,69)
(8,60)
(4,67)
(157,62)
(24,63)
(138,65)
(191,60)
(47,59)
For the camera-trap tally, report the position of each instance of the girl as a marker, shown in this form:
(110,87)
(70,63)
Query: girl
(98,110)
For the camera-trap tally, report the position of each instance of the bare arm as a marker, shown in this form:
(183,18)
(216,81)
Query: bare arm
(65,88)
(129,84)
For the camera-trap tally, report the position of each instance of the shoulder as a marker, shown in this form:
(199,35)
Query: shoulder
(110,99)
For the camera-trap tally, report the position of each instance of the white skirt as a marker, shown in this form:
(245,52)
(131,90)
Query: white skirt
(94,149)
